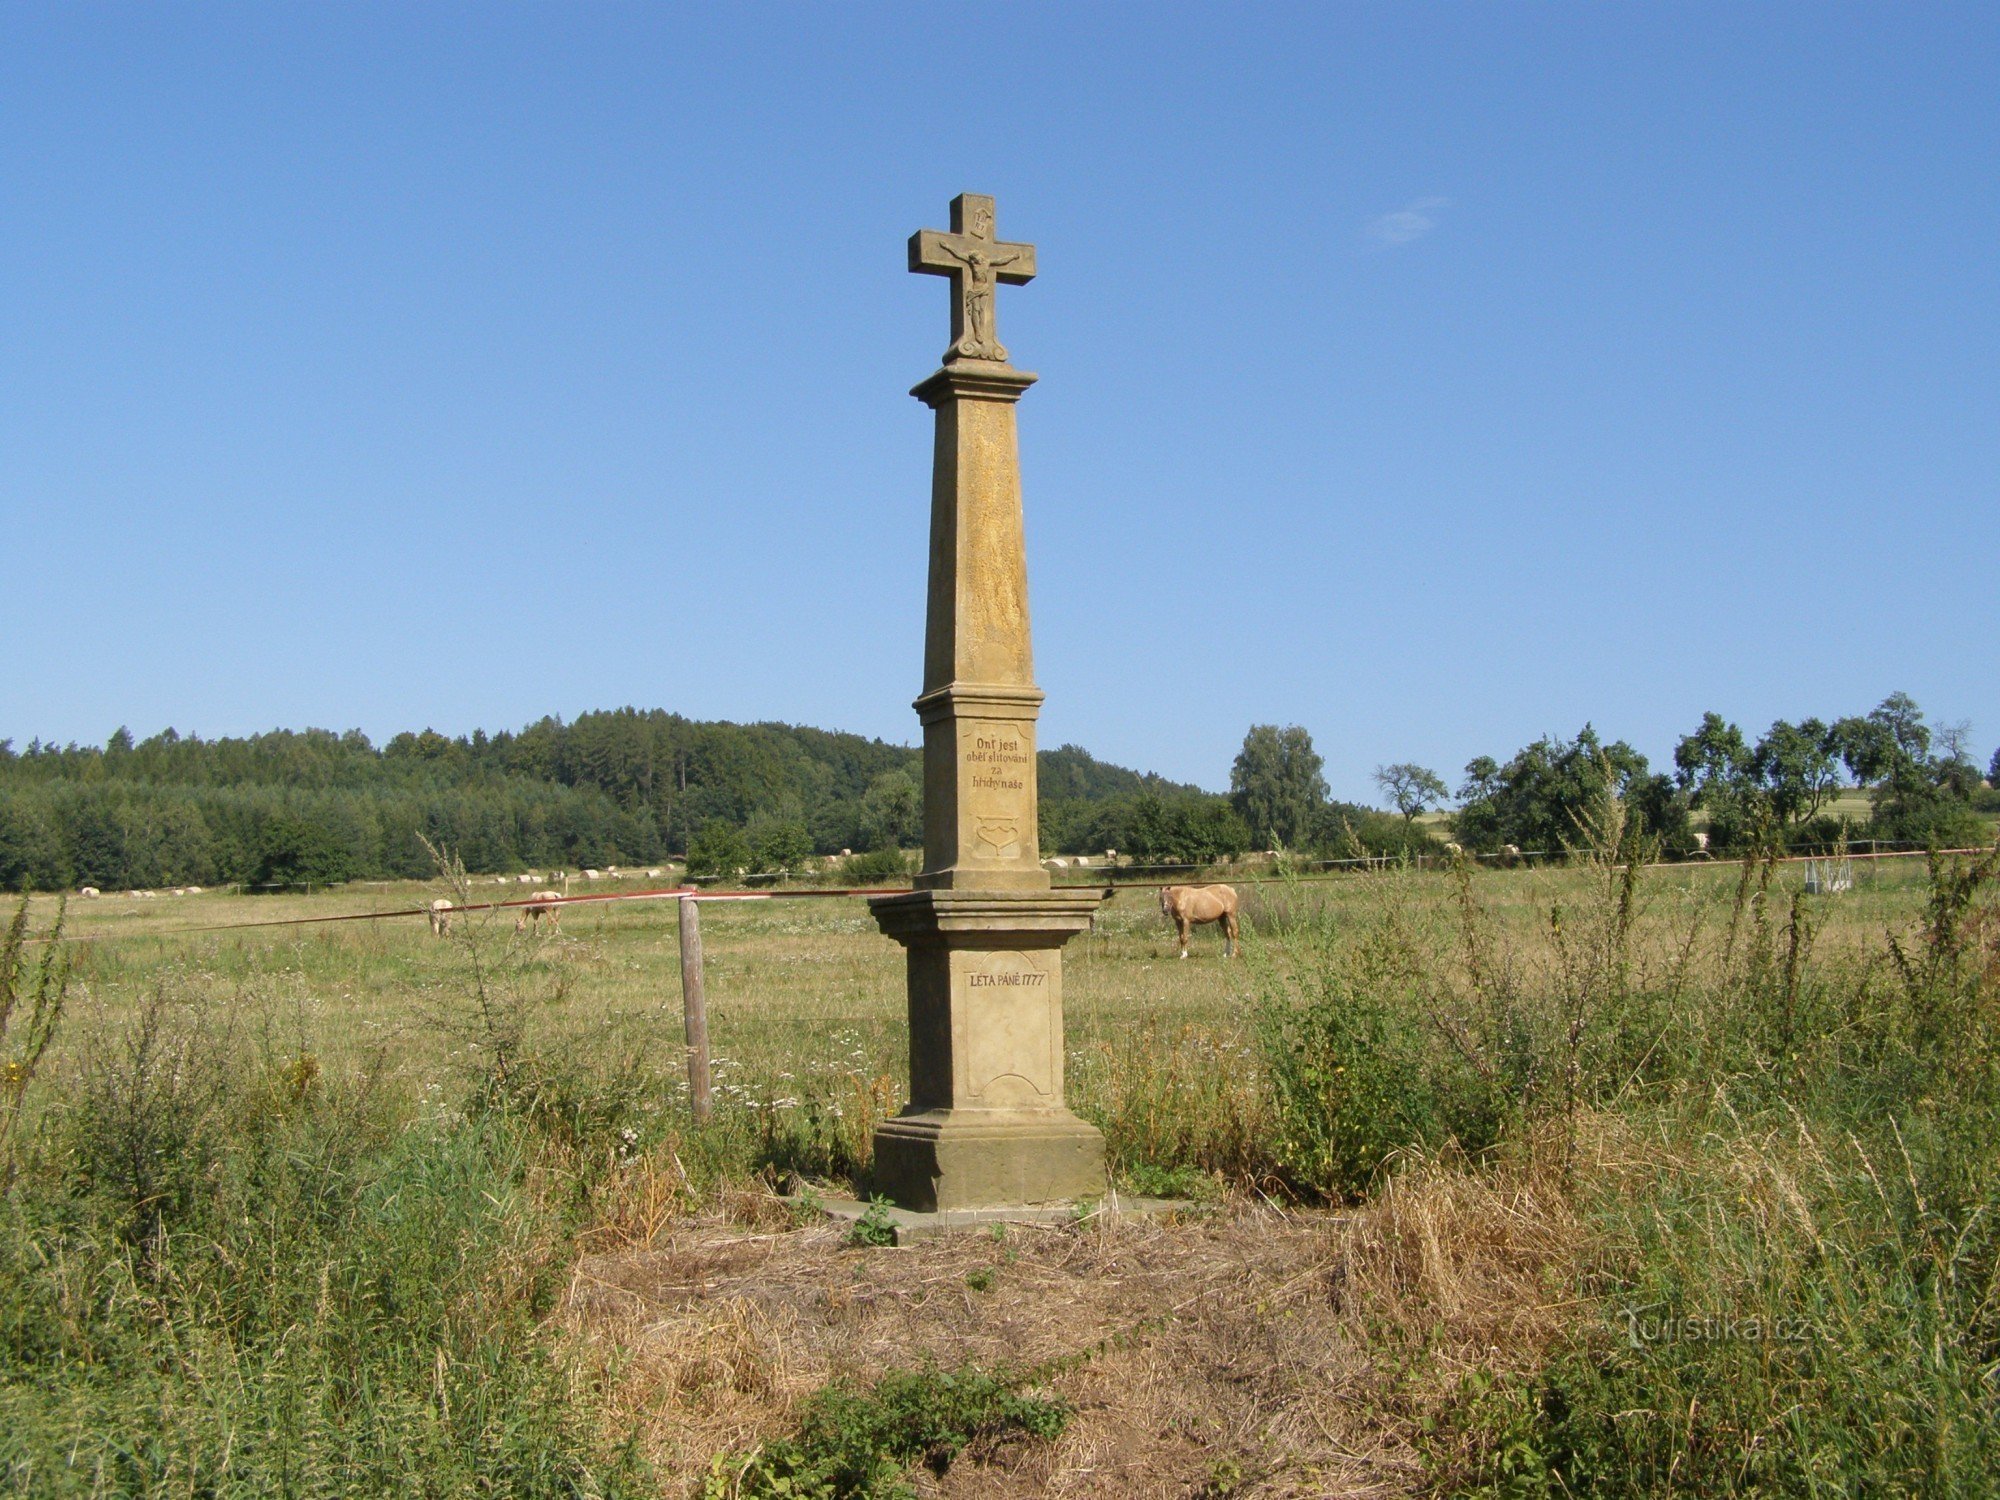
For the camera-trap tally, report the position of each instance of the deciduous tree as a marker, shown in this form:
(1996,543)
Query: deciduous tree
(1914,795)
(1411,788)
(779,844)
(1276,785)
(718,849)
(1717,771)
(1551,792)
(1798,766)
(892,811)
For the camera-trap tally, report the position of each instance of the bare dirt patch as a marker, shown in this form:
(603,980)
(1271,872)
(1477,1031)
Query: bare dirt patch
(1203,1356)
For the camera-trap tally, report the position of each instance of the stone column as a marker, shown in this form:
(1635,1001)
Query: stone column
(986,1124)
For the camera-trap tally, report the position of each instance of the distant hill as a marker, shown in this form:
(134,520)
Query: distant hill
(620,787)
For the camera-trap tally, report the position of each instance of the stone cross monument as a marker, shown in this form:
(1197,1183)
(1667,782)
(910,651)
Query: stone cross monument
(986,1124)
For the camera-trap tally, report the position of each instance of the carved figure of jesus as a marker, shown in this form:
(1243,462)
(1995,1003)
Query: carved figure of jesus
(982,270)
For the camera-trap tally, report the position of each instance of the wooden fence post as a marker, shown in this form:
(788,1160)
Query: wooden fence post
(694,1000)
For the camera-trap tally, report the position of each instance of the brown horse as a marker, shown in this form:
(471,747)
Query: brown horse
(1187,905)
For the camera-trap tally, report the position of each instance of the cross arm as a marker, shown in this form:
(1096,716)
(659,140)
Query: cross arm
(927,254)
(938,253)
(1014,264)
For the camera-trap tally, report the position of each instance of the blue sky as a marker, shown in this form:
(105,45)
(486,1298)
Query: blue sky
(1434,377)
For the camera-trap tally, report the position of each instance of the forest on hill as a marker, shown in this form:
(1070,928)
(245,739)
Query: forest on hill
(619,787)
(632,788)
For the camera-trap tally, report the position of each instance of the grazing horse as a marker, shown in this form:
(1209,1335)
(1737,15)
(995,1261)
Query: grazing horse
(541,904)
(1187,905)
(440,915)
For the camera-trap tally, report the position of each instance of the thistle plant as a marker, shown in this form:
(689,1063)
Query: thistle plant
(31,1004)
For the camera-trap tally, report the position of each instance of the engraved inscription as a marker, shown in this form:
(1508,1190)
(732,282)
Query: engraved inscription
(1028,980)
(998,760)
(1008,1011)
(997,771)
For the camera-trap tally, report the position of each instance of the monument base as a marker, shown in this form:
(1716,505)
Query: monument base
(955,1159)
(986,1125)
(910,1227)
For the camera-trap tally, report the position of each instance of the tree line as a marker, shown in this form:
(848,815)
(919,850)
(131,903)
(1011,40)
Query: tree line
(620,787)
(634,787)
(1775,792)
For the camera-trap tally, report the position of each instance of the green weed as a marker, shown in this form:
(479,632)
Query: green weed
(861,1445)
(875,1227)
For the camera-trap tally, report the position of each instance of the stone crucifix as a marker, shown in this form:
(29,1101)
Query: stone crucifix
(975,261)
(987,1125)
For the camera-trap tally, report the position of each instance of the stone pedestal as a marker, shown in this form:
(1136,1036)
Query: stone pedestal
(986,1125)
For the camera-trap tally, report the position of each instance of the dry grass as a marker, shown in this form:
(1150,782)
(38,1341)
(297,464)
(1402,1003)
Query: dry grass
(1486,1270)
(1479,1268)
(1256,1351)
(1201,1355)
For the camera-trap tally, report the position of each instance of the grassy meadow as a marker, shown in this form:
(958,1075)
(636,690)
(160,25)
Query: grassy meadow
(1579,1180)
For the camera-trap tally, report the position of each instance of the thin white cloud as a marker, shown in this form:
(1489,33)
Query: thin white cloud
(1411,222)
